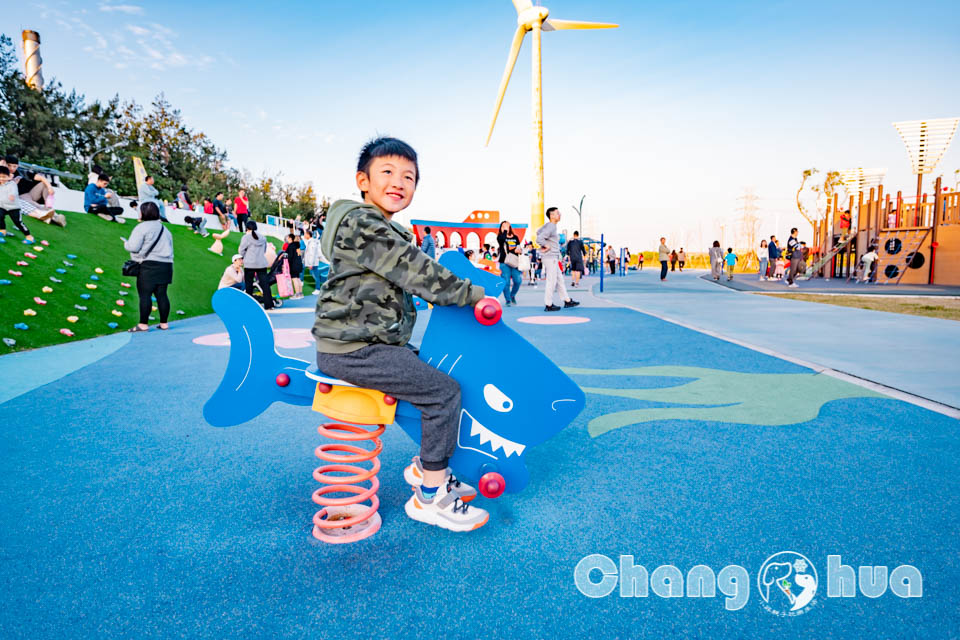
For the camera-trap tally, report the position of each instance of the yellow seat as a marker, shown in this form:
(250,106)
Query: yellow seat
(343,401)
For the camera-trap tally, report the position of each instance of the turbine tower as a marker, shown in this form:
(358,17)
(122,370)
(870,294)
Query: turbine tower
(531,18)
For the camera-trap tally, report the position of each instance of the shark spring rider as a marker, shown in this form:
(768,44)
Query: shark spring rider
(502,414)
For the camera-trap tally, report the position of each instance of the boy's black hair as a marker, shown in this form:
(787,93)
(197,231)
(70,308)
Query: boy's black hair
(793,230)
(426,229)
(576,233)
(184,188)
(383,147)
(12,159)
(4,171)
(729,249)
(103,177)
(97,169)
(149,211)
(219,193)
(147,177)
(549,210)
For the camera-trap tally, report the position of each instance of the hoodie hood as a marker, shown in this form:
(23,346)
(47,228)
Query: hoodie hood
(338,211)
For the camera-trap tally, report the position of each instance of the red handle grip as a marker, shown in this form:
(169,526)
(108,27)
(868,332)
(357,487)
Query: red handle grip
(488,311)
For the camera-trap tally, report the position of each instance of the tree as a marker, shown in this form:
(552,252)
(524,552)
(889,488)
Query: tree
(58,129)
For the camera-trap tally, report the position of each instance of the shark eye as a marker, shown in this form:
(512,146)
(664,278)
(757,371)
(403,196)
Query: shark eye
(497,399)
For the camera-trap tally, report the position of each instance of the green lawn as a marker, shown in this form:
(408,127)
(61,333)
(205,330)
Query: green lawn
(97,244)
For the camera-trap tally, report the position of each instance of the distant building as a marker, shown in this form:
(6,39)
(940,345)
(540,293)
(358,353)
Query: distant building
(477,229)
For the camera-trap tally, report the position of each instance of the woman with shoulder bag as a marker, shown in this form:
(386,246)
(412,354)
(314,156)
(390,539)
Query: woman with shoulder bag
(151,260)
(509,257)
(253,248)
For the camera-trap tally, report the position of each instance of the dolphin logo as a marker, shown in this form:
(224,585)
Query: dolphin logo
(505,410)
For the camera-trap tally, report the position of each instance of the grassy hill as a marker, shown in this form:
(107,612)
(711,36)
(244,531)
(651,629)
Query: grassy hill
(96,244)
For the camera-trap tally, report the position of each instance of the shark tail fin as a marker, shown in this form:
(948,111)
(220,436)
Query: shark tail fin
(256,375)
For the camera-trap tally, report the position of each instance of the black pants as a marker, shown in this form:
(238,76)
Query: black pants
(397,371)
(113,212)
(17,220)
(663,269)
(613,267)
(242,220)
(153,281)
(261,275)
(681,265)
(673,266)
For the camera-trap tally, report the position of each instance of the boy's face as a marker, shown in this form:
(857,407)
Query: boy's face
(4,178)
(389,184)
(102,184)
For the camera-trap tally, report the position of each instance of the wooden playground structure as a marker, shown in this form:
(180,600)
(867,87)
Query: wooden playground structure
(918,241)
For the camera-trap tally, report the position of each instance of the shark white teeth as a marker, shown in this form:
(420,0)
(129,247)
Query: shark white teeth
(496,442)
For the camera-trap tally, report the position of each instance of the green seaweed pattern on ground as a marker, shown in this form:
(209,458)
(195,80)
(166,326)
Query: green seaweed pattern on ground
(714,395)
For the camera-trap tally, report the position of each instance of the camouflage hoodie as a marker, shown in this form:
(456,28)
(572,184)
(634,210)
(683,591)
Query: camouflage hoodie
(374,267)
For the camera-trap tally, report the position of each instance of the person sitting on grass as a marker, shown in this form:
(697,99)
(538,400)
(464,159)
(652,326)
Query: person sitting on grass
(731,260)
(183,199)
(365,318)
(233,274)
(146,192)
(95,200)
(10,205)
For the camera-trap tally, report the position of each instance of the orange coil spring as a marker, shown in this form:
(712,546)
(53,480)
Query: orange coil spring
(347,519)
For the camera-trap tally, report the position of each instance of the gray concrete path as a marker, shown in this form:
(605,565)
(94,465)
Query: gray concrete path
(914,354)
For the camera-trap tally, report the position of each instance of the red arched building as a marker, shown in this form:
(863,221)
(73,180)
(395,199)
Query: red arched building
(481,224)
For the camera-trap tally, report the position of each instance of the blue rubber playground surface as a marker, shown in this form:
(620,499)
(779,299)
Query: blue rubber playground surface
(123,514)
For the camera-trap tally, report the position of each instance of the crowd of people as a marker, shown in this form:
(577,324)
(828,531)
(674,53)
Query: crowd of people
(25,193)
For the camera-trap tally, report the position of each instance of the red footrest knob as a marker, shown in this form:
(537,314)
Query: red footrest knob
(492,485)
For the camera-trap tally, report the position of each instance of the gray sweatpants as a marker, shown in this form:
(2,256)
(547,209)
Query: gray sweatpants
(397,371)
(795,263)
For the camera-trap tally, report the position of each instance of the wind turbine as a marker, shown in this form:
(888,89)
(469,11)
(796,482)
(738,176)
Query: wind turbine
(534,18)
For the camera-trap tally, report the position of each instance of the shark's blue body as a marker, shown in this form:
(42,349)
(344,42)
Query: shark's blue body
(513,396)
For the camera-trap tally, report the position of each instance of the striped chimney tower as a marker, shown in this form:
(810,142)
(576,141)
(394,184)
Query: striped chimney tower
(32,62)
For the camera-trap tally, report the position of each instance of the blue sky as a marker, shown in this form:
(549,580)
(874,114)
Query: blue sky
(661,123)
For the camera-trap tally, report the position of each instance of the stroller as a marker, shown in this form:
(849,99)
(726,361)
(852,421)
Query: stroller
(275,269)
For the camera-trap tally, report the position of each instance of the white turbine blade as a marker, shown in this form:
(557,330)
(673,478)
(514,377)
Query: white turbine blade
(557,25)
(522,5)
(511,61)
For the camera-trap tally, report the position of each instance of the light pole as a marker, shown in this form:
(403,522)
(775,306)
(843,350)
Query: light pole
(579,211)
(95,153)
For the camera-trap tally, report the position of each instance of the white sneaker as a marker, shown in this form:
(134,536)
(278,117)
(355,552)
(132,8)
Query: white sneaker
(793,286)
(413,475)
(445,510)
(316,292)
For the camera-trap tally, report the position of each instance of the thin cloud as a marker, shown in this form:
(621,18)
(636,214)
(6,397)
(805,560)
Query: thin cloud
(129,9)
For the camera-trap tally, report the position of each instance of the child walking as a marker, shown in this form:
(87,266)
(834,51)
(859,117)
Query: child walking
(731,260)
(365,317)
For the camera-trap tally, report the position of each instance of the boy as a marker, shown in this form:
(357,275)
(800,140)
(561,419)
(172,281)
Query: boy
(365,316)
(731,260)
(10,204)
(795,256)
(95,200)
(575,251)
